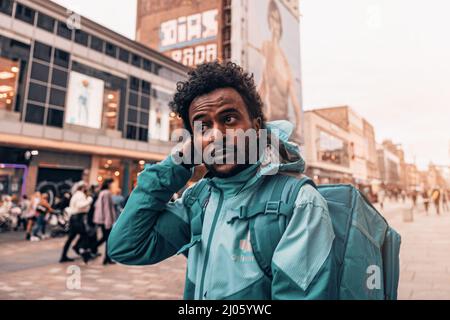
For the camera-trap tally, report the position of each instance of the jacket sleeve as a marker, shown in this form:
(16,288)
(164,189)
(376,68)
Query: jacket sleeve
(303,264)
(150,228)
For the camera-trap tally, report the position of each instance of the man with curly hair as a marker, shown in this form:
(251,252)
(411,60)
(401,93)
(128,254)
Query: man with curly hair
(248,233)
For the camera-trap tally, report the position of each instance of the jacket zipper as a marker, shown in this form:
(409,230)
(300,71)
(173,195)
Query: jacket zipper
(208,247)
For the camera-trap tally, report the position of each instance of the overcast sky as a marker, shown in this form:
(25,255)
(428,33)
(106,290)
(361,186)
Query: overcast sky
(387,59)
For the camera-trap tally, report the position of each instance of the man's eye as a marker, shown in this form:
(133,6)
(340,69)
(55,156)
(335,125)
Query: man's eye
(204,127)
(230,119)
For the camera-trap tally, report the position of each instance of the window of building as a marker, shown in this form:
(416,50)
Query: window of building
(132,115)
(147,65)
(57,97)
(61,58)
(64,31)
(55,117)
(40,71)
(111,50)
(97,44)
(47,86)
(6,6)
(42,51)
(137,115)
(37,92)
(145,102)
(131,132)
(133,99)
(45,22)
(332,149)
(143,134)
(146,87)
(111,109)
(9,71)
(134,84)
(25,14)
(59,78)
(111,168)
(81,37)
(124,55)
(136,60)
(156,68)
(35,113)
(143,118)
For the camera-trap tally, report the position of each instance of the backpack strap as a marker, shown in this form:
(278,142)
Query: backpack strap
(195,201)
(266,229)
(279,186)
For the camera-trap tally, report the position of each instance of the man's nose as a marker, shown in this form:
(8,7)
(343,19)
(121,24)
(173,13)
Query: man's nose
(215,134)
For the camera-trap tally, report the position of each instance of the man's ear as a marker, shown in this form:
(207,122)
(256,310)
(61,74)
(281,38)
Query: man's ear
(257,123)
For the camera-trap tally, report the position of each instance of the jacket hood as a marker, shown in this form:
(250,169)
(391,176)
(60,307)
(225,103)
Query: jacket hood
(288,159)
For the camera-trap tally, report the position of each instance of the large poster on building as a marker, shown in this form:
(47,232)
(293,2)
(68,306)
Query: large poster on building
(191,39)
(187,31)
(159,119)
(272,46)
(84,101)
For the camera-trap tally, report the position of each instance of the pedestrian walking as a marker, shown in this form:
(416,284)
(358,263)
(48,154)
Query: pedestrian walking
(436,198)
(30,215)
(42,209)
(414,198)
(445,196)
(381,197)
(426,200)
(105,215)
(78,207)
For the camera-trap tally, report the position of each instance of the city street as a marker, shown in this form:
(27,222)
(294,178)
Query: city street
(29,270)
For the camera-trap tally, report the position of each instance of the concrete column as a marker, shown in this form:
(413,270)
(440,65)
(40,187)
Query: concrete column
(126,177)
(93,172)
(31,178)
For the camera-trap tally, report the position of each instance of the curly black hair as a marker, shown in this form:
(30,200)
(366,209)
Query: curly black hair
(210,76)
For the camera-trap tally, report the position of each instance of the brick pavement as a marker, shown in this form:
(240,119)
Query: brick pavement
(30,270)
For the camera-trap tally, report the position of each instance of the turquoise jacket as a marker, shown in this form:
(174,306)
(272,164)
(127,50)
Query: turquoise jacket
(221,265)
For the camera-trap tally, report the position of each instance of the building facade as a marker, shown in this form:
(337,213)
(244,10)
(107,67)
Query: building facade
(360,143)
(389,166)
(77,100)
(326,150)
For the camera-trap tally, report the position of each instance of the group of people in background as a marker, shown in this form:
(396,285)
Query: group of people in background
(89,212)
(437,197)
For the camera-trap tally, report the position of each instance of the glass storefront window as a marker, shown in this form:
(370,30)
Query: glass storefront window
(332,149)
(110,168)
(110,109)
(9,71)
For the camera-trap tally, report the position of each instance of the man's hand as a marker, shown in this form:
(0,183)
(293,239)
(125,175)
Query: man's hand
(186,154)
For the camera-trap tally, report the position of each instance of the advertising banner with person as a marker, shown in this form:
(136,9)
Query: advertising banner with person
(271,42)
(159,121)
(84,101)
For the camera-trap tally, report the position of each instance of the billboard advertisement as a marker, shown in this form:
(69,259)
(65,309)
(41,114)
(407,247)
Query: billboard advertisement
(191,39)
(84,101)
(186,31)
(270,40)
(159,119)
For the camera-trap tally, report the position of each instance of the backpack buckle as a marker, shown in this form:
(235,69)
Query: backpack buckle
(190,200)
(272,207)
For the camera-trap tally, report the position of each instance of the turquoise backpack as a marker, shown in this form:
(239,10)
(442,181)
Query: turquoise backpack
(364,247)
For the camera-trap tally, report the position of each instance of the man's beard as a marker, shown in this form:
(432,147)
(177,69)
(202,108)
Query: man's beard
(236,170)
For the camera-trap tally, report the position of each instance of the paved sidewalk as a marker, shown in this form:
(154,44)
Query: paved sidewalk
(424,255)
(29,270)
